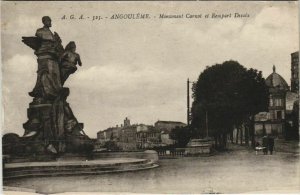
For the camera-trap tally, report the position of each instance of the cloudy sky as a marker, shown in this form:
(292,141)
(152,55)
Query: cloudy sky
(138,68)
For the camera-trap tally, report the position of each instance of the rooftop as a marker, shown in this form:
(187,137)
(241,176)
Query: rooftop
(275,80)
(176,122)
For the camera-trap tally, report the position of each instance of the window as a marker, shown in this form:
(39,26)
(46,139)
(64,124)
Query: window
(277,102)
(279,115)
(271,102)
(272,115)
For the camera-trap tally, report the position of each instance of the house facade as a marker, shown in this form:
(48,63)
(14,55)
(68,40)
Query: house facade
(278,121)
(129,137)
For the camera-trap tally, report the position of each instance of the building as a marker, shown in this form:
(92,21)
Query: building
(292,118)
(281,101)
(278,89)
(148,137)
(111,133)
(126,122)
(295,72)
(143,128)
(272,122)
(167,126)
(166,140)
(127,138)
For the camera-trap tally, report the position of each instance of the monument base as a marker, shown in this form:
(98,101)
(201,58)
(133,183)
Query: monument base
(72,164)
(53,128)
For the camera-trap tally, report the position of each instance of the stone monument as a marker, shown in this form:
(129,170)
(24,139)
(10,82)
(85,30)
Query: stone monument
(52,126)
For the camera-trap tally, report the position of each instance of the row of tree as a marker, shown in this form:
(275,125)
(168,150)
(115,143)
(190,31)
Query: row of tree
(226,96)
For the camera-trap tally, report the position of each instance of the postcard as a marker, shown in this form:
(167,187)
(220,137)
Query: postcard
(154,97)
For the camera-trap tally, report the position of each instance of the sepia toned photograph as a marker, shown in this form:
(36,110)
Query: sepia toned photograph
(150,97)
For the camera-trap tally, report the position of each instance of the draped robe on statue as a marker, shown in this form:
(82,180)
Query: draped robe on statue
(48,83)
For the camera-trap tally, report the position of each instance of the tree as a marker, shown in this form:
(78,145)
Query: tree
(181,135)
(111,146)
(229,95)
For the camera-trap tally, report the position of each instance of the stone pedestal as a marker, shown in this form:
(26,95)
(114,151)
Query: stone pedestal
(53,128)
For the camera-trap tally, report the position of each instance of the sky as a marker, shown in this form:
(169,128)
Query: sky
(139,68)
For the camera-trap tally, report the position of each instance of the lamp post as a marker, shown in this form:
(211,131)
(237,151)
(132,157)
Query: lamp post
(206,121)
(188,101)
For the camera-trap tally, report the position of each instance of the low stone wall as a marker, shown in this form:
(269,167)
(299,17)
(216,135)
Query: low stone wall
(186,152)
(282,145)
(148,154)
(27,158)
(76,167)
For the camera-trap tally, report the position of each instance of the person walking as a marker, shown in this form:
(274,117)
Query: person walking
(265,144)
(271,144)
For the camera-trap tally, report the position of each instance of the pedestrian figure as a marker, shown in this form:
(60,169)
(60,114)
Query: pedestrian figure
(257,147)
(265,144)
(271,144)
(257,144)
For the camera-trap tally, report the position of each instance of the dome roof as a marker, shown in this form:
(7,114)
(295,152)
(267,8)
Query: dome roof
(275,80)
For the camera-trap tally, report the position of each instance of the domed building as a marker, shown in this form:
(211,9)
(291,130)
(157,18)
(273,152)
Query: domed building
(273,122)
(276,81)
(278,89)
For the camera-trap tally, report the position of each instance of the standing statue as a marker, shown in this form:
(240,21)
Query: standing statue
(52,126)
(48,49)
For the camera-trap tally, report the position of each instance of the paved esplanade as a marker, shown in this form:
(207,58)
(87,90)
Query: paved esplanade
(236,171)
